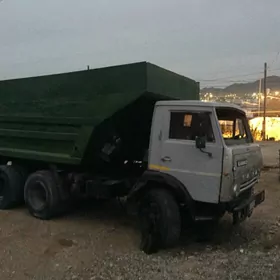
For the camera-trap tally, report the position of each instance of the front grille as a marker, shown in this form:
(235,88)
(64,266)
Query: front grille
(248,184)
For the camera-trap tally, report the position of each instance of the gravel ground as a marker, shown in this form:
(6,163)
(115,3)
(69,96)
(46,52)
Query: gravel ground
(101,243)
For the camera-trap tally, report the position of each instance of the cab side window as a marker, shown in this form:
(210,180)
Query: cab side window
(189,125)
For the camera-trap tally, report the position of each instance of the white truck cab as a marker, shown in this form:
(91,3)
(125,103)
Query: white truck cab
(204,156)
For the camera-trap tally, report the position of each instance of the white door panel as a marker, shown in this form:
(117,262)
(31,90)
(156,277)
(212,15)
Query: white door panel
(200,173)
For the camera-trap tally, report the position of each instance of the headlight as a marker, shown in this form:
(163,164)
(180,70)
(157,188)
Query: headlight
(236,189)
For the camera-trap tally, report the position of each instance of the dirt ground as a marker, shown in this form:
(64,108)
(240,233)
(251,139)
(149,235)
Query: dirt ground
(102,243)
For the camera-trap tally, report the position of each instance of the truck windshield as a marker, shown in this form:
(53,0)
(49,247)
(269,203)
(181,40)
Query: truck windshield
(234,126)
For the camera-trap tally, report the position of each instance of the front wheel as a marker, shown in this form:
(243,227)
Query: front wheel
(160,221)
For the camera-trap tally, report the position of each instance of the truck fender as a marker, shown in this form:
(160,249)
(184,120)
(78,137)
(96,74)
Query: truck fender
(157,179)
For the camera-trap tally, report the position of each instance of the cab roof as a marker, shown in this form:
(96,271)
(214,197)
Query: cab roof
(197,103)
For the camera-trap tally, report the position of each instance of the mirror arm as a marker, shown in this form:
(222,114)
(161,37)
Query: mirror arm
(204,152)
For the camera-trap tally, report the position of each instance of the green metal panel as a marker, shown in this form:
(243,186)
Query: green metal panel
(164,82)
(75,94)
(65,118)
(50,139)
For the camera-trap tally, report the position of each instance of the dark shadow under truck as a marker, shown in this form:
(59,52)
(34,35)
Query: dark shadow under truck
(126,131)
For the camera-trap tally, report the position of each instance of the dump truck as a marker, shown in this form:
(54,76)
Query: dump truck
(134,131)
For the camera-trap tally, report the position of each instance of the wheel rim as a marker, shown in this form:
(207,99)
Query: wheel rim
(37,196)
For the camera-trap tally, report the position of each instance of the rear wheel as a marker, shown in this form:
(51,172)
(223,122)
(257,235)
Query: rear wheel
(11,187)
(160,221)
(41,195)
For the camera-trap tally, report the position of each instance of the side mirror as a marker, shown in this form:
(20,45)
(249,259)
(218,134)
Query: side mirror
(200,142)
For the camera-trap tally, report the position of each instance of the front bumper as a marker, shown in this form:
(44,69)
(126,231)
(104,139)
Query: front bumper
(244,208)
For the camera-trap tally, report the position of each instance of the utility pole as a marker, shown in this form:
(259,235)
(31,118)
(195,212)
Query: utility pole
(264,101)
(259,97)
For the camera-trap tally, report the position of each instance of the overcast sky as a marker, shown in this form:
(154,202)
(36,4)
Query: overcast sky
(202,39)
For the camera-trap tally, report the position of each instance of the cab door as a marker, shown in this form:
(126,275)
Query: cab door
(199,170)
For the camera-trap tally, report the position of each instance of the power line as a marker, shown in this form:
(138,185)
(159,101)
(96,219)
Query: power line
(230,69)
(224,84)
(225,81)
(275,69)
(243,75)
(236,76)
(275,59)
(236,81)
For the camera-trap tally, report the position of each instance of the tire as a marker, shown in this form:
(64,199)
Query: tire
(11,187)
(41,195)
(160,221)
(23,173)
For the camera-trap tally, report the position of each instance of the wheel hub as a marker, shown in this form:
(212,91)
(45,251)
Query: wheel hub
(38,196)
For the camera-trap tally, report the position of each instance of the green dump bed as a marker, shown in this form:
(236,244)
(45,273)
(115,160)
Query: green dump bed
(82,117)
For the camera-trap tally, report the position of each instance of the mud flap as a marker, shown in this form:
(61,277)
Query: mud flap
(245,209)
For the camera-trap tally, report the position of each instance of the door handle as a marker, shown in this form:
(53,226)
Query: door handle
(165,159)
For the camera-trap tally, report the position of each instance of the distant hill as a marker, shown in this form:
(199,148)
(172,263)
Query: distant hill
(273,83)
